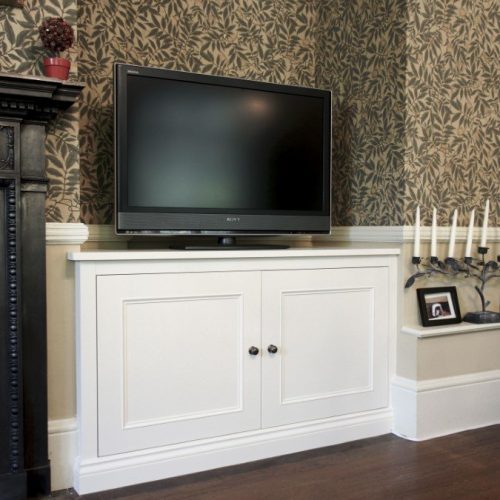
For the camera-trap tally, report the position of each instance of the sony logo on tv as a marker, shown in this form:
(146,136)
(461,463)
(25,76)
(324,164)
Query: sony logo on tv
(233,219)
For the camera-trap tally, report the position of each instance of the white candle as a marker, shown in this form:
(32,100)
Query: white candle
(433,233)
(484,232)
(470,231)
(416,248)
(453,233)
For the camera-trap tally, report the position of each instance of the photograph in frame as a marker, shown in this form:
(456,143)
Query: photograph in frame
(438,306)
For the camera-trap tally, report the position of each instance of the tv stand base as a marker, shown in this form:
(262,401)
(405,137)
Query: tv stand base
(229,243)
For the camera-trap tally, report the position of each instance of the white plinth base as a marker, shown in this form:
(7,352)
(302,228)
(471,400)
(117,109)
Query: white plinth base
(160,463)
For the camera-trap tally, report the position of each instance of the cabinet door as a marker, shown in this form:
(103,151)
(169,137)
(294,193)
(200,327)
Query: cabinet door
(173,361)
(331,330)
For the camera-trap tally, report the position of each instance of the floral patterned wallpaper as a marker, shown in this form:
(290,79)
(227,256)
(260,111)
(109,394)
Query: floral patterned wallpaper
(453,108)
(415,91)
(21,51)
(361,58)
(270,40)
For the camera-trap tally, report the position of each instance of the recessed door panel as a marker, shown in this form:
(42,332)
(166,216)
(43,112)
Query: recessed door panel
(324,317)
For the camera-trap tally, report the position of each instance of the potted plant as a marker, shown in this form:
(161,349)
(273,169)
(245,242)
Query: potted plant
(57,36)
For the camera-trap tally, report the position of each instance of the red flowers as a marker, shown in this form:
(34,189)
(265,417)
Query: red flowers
(56,34)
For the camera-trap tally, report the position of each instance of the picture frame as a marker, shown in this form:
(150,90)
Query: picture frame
(439,306)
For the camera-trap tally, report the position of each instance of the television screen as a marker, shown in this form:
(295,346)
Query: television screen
(210,155)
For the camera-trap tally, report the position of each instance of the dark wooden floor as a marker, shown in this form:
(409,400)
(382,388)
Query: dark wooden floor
(461,466)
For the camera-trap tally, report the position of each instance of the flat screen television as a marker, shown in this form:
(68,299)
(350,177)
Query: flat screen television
(209,155)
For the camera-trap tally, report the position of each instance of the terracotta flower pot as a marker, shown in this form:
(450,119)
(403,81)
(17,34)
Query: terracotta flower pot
(56,67)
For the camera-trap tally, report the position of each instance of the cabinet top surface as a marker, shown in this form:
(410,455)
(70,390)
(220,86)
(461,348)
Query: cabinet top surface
(131,255)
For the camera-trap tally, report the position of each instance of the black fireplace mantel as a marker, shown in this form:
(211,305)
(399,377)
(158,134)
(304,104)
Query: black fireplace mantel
(27,104)
(35,98)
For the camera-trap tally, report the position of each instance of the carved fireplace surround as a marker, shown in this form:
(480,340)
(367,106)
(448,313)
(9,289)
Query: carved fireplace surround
(27,104)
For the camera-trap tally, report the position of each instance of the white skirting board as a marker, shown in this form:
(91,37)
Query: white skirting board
(62,452)
(432,408)
(186,458)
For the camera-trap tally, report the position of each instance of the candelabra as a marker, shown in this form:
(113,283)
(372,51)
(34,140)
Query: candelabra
(479,269)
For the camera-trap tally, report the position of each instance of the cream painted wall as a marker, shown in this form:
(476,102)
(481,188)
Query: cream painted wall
(61,323)
(61,332)
(458,354)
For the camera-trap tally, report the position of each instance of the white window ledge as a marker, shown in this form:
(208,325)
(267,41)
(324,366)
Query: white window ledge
(438,331)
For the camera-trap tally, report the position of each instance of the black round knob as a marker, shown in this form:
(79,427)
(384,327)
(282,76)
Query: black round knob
(253,351)
(272,349)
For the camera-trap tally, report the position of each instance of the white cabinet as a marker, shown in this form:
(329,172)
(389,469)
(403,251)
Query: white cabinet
(194,360)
